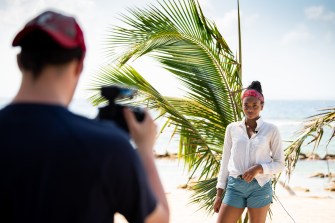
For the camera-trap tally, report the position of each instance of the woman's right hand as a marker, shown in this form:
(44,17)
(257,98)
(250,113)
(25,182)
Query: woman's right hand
(217,204)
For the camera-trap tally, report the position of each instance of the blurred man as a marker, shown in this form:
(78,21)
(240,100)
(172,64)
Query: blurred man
(56,166)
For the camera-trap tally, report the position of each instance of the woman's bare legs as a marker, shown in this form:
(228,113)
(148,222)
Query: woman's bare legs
(229,214)
(258,215)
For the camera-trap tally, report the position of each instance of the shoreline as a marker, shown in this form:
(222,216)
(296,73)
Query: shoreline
(301,206)
(302,156)
(285,208)
(310,175)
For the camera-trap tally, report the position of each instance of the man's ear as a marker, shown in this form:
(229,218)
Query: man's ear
(79,67)
(18,60)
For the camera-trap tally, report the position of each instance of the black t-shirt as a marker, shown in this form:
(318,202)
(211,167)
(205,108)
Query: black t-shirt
(56,166)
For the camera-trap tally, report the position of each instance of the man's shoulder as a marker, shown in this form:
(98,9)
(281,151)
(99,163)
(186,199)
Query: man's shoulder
(58,121)
(102,138)
(98,130)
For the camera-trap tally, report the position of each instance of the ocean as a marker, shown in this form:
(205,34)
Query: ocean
(286,114)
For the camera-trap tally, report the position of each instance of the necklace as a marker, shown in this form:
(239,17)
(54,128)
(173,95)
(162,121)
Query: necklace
(251,128)
(248,126)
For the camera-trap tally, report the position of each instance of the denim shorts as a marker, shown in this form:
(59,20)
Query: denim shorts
(241,194)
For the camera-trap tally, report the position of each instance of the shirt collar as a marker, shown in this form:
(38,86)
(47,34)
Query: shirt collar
(259,122)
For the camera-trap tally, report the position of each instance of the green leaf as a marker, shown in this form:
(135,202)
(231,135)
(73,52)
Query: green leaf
(179,37)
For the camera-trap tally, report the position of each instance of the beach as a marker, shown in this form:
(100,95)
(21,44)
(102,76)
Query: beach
(304,199)
(302,208)
(299,202)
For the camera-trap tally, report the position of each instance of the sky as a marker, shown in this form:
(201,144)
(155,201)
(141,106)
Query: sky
(288,45)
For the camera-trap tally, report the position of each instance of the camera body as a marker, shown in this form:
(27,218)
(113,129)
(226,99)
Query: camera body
(113,111)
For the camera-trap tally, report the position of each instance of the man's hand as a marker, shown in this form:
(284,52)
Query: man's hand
(143,133)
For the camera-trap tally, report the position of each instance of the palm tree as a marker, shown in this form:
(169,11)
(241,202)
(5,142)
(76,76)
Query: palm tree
(312,131)
(183,41)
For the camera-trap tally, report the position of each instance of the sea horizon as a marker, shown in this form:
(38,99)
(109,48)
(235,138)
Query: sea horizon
(286,114)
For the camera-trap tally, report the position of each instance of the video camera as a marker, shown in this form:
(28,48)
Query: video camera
(113,111)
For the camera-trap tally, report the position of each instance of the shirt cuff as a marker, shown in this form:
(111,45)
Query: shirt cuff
(266,169)
(221,185)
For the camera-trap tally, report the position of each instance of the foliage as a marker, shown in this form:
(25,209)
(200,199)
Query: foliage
(313,130)
(178,36)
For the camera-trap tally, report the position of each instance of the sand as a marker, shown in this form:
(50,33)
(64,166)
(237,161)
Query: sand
(300,208)
(296,204)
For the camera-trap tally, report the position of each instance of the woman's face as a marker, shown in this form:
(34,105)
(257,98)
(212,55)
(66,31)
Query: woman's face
(252,107)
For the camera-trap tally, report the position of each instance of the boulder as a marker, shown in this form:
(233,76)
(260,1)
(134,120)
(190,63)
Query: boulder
(329,157)
(313,156)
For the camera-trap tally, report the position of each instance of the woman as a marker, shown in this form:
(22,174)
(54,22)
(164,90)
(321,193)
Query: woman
(252,154)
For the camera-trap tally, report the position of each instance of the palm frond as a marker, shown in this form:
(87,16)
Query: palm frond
(312,130)
(183,41)
(205,189)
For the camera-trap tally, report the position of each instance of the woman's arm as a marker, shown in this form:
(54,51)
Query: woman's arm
(276,147)
(223,174)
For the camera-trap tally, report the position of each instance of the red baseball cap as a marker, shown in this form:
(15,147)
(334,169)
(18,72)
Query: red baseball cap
(64,30)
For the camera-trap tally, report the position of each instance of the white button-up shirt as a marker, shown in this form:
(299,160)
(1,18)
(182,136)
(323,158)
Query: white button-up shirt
(241,152)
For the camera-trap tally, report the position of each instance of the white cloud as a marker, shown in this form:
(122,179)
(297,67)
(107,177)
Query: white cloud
(301,33)
(319,13)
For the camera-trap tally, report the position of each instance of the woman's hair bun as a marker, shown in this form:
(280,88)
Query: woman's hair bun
(256,85)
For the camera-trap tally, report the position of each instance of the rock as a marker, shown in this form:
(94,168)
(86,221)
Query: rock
(302,156)
(313,156)
(330,187)
(182,186)
(321,175)
(330,175)
(303,189)
(189,186)
(329,157)
(166,156)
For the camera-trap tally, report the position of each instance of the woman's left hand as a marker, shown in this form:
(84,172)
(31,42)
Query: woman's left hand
(250,174)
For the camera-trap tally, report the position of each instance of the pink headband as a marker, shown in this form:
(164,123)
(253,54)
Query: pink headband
(253,93)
